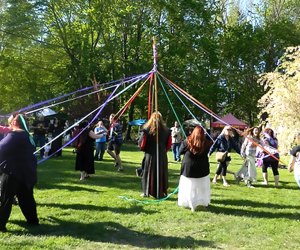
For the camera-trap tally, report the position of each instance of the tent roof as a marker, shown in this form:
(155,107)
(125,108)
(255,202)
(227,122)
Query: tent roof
(138,122)
(231,120)
(191,122)
(46,112)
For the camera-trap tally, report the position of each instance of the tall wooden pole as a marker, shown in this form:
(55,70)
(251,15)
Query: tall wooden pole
(156,110)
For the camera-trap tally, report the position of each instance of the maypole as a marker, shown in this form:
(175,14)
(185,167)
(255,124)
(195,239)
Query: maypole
(156,110)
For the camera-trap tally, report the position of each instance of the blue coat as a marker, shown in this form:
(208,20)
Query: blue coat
(222,145)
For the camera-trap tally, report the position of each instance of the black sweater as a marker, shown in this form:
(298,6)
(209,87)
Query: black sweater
(17,158)
(194,165)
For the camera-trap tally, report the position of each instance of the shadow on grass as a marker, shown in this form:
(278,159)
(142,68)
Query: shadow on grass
(241,210)
(135,209)
(109,232)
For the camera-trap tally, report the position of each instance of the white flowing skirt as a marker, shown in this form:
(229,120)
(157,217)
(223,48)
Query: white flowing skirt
(297,173)
(194,192)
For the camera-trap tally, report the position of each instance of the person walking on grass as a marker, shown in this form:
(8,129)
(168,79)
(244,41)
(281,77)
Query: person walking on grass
(176,140)
(248,151)
(270,159)
(155,141)
(294,163)
(115,142)
(194,183)
(85,151)
(100,143)
(18,174)
(224,143)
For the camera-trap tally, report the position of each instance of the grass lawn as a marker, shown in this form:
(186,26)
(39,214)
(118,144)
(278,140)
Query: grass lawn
(90,214)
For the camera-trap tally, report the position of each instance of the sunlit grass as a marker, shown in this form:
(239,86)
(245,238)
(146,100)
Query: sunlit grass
(91,215)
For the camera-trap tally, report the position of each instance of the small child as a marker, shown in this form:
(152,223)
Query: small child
(47,147)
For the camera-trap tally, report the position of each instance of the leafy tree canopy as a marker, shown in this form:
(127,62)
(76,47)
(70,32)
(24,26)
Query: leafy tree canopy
(281,101)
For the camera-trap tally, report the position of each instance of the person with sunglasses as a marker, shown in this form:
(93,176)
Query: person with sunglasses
(224,143)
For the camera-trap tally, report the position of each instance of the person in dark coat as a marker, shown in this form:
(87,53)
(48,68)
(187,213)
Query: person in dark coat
(270,160)
(18,173)
(294,163)
(194,183)
(115,141)
(224,143)
(155,137)
(85,151)
(56,129)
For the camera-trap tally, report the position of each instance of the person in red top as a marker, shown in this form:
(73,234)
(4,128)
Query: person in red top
(4,130)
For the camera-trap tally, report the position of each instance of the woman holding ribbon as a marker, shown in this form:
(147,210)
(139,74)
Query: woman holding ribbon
(18,173)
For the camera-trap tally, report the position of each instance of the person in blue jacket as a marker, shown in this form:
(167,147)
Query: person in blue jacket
(224,143)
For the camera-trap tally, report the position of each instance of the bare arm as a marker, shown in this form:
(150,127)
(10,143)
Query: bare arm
(291,163)
(95,136)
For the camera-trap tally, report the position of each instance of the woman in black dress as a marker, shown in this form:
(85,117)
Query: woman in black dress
(85,151)
(155,137)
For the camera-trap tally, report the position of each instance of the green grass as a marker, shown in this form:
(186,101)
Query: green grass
(90,214)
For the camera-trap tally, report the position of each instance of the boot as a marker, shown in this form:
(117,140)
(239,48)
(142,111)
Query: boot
(249,184)
(276,180)
(265,177)
(214,181)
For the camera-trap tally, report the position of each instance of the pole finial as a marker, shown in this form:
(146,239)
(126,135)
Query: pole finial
(154,55)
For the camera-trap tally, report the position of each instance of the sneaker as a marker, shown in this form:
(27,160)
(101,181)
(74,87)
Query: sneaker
(143,195)
(249,185)
(264,183)
(120,169)
(226,184)
(237,178)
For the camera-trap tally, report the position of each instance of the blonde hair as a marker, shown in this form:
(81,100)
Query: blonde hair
(225,128)
(155,120)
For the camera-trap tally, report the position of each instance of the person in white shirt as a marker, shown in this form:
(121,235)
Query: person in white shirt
(176,140)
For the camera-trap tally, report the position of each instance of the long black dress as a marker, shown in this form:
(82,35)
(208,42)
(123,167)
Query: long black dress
(56,144)
(149,180)
(85,153)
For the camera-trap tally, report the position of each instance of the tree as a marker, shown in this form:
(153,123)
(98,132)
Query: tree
(281,100)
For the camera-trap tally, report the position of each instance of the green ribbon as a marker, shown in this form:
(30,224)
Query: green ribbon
(150,201)
(26,128)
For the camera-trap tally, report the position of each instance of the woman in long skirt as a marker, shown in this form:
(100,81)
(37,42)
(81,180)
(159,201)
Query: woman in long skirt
(194,183)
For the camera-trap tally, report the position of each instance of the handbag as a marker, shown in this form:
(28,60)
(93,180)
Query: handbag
(221,156)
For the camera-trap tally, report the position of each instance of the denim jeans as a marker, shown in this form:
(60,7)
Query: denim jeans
(100,149)
(175,149)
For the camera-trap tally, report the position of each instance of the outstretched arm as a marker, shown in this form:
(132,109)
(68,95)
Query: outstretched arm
(4,130)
